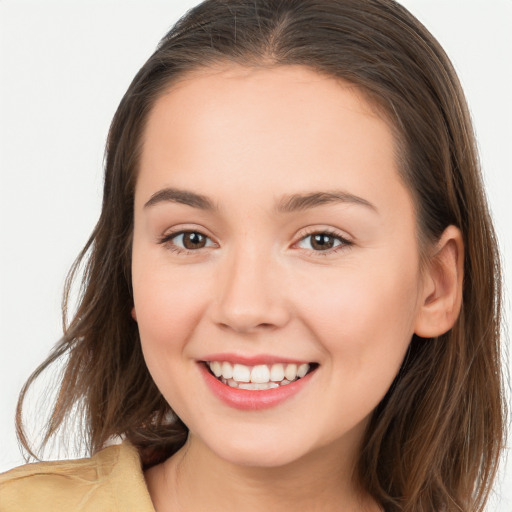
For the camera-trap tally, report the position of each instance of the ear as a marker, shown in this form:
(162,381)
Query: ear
(441,298)
(134,314)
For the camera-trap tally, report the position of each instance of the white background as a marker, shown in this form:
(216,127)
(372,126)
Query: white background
(63,69)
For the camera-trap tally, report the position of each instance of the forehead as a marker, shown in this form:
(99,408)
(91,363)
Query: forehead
(285,129)
(289,86)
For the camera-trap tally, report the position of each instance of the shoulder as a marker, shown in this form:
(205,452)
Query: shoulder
(111,480)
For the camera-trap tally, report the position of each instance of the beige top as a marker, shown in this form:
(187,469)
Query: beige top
(110,481)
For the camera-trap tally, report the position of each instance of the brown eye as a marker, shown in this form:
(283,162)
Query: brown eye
(186,241)
(323,242)
(190,240)
(193,240)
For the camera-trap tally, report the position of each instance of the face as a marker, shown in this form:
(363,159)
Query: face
(275,243)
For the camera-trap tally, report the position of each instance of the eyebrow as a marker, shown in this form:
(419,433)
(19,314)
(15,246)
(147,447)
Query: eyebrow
(187,197)
(301,202)
(287,204)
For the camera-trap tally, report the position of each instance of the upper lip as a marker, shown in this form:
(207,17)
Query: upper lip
(252,360)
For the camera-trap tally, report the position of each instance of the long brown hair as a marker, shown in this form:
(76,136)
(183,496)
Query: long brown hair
(434,441)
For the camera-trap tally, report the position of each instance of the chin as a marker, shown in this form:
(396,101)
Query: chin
(258,448)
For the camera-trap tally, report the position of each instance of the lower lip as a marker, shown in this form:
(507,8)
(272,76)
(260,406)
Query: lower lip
(245,399)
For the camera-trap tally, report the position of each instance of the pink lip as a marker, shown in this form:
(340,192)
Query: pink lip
(248,400)
(251,360)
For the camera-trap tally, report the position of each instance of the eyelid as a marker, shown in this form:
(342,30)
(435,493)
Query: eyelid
(166,239)
(346,242)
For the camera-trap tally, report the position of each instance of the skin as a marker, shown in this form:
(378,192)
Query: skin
(245,138)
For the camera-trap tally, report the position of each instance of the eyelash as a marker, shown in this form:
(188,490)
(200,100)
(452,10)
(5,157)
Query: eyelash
(344,245)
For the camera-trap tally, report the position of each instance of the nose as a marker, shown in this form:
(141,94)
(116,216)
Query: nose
(251,293)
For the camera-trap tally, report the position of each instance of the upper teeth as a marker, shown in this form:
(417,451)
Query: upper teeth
(260,373)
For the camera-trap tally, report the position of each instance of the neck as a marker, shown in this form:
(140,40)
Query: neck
(196,479)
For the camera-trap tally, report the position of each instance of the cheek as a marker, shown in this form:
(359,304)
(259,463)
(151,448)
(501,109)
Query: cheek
(168,307)
(168,310)
(364,324)
(364,315)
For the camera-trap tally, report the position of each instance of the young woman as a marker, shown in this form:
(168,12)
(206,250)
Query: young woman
(292,295)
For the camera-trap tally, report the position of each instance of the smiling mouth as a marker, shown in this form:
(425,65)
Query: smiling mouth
(258,377)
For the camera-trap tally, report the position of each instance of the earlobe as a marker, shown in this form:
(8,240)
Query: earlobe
(442,293)
(134,314)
